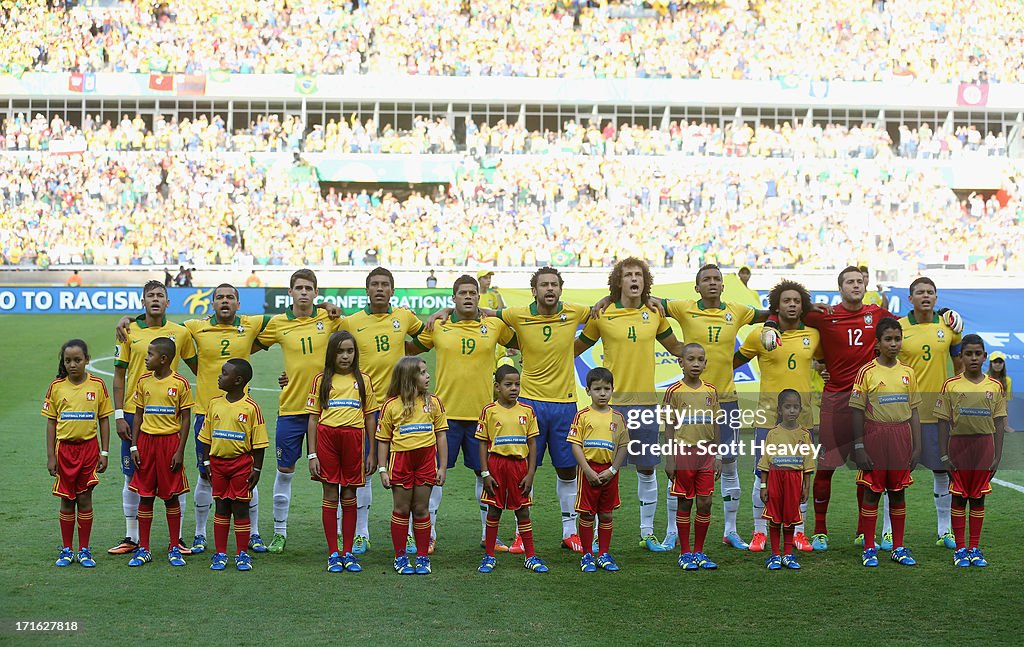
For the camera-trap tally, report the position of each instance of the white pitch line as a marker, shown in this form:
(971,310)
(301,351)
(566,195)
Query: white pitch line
(1012,486)
(92,365)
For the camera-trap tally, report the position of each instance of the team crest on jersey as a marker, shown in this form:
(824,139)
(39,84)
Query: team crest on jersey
(856,393)
(868,319)
(941,334)
(728,317)
(90,395)
(613,426)
(46,405)
(645,316)
(989,395)
(309,401)
(938,403)
(572,432)
(243,418)
(906,380)
(483,329)
(522,420)
(172,391)
(320,325)
(395,324)
(479,427)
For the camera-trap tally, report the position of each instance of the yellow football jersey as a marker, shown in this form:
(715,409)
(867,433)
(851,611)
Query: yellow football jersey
(599,434)
(715,329)
(344,408)
(303,343)
(506,429)
(800,456)
(418,429)
(788,367)
(490,300)
(970,408)
(77,408)
(465,362)
(628,336)
(162,401)
(885,393)
(217,343)
(546,343)
(928,348)
(694,414)
(233,428)
(381,341)
(131,354)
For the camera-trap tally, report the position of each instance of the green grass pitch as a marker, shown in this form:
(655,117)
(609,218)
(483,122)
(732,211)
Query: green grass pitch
(289,598)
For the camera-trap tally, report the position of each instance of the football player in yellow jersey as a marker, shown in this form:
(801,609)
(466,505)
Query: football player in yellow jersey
(714,324)
(223,336)
(465,376)
(303,335)
(792,368)
(382,334)
(629,330)
(545,331)
(129,365)
(930,347)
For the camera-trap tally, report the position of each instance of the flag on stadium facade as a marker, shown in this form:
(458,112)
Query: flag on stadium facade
(972,94)
(81,82)
(190,85)
(219,76)
(305,83)
(161,82)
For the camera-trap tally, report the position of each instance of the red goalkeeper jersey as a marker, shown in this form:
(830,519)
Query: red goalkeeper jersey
(847,341)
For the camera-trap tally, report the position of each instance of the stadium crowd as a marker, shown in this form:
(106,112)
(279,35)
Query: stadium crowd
(153,208)
(928,40)
(272,133)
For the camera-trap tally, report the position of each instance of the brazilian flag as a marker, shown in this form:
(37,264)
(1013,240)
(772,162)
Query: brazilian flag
(305,83)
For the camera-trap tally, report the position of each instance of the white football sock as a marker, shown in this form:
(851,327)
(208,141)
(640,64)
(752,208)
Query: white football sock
(803,516)
(202,500)
(254,512)
(364,497)
(182,502)
(647,492)
(130,506)
(282,499)
(432,506)
(730,495)
(566,492)
(483,506)
(943,501)
(757,506)
(886,521)
(671,506)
